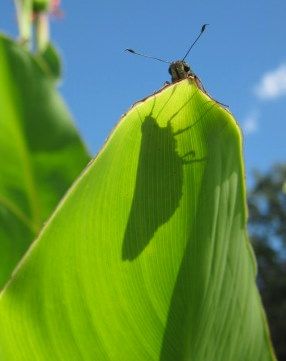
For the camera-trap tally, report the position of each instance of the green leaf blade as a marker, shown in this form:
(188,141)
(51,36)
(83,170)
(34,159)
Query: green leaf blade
(147,257)
(41,152)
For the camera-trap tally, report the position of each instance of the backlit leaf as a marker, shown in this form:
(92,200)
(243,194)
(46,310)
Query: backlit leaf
(147,257)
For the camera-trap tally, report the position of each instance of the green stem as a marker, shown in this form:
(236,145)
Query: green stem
(42,31)
(24,11)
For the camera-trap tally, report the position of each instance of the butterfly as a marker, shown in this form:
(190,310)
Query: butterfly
(179,69)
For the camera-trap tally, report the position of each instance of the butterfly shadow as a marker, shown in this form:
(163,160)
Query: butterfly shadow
(159,183)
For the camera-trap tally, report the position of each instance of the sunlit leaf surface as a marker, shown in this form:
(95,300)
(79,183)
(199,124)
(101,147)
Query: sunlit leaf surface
(147,257)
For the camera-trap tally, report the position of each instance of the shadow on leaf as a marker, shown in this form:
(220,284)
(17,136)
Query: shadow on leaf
(158,188)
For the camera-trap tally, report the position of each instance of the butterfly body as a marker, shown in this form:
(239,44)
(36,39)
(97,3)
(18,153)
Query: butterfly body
(180,70)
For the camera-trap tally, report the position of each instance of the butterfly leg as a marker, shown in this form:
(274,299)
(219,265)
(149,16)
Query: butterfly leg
(199,84)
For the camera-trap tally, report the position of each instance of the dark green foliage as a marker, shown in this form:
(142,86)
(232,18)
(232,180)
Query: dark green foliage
(267,221)
(50,61)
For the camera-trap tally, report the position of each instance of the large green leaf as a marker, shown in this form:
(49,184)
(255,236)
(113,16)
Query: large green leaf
(40,151)
(147,257)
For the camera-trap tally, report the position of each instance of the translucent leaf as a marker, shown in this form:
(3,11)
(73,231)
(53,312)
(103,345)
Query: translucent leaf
(147,257)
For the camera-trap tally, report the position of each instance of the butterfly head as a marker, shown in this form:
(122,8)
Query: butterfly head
(180,70)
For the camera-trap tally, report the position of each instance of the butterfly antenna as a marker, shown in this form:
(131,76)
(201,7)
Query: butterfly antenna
(200,34)
(147,56)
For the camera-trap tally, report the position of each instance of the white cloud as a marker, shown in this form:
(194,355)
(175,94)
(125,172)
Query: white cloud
(250,123)
(272,84)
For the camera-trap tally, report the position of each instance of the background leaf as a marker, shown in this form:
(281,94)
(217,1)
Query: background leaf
(147,257)
(41,151)
(50,61)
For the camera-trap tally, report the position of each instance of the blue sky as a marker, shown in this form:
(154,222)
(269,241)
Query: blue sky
(241,60)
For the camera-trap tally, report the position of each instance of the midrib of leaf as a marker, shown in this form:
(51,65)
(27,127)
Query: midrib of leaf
(13,208)
(14,110)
